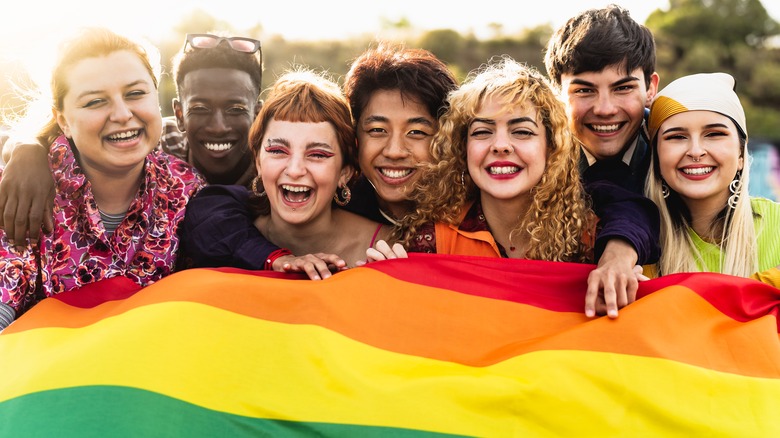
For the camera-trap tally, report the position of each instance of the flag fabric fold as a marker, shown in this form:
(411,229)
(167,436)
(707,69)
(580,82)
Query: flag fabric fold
(433,345)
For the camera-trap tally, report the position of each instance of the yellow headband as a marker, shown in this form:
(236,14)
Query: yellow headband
(699,92)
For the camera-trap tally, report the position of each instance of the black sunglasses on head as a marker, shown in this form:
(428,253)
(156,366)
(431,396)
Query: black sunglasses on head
(208,41)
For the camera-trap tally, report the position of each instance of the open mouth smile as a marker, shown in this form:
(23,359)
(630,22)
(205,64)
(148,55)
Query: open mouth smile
(295,194)
(218,147)
(124,136)
(605,129)
(395,173)
(697,170)
(503,170)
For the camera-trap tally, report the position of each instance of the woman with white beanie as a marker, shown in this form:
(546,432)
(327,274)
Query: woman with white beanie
(699,180)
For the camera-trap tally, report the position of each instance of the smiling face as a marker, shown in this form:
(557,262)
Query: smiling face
(606,108)
(394,136)
(699,154)
(506,151)
(216,110)
(111,113)
(301,166)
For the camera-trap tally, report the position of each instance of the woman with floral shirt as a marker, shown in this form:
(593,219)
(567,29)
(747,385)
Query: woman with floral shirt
(117,204)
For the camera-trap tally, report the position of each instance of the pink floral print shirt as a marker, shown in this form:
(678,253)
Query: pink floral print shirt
(80,251)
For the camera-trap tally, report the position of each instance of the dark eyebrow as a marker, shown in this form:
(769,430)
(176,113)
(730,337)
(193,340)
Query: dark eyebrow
(523,119)
(674,129)
(383,119)
(710,126)
(577,81)
(421,121)
(511,122)
(485,121)
(196,98)
(625,80)
(621,81)
(717,125)
(372,119)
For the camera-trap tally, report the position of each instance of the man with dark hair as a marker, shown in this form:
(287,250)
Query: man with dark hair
(218,83)
(603,64)
(396,95)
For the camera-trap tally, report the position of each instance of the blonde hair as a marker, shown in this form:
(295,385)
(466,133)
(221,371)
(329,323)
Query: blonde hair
(559,213)
(735,226)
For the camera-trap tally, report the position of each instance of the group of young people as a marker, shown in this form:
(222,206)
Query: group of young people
(318,178)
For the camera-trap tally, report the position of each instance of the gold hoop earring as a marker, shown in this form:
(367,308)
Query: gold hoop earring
(346,194)
(260,193)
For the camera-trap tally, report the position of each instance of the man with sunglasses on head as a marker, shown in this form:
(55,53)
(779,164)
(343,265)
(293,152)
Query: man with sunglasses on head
(218,82)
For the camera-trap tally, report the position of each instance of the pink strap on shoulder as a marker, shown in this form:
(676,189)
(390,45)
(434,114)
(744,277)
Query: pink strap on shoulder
(373,238)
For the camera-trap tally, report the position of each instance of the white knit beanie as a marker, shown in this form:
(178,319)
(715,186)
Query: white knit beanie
(703,91)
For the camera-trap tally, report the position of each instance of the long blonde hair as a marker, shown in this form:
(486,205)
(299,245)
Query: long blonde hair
(735,226)
(559,213)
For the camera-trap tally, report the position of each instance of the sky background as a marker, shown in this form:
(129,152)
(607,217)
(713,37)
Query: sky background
(31,27)
(26,21)
(305,19)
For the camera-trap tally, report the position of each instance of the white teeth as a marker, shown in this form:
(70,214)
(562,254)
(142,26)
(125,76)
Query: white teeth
(503,170)
(698,170)
(296,194)
(123,135)
(295,188)
(606,128)
(393,173)
(218,147)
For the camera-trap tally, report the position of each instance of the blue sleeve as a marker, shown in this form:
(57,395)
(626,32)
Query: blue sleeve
(218,230)
(625,215)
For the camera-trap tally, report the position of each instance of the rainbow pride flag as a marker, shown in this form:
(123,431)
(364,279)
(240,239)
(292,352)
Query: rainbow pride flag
(429,346)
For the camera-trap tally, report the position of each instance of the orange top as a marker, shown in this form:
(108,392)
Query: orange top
(450,239)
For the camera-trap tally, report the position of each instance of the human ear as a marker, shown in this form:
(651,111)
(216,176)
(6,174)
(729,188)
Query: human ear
(652,89)
(347,172)
(258,107)
(257,163)
(179,113)
(62,122)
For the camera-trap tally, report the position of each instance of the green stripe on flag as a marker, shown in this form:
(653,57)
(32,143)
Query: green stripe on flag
(114,411)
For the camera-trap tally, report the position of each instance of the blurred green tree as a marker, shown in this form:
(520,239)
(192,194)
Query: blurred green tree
(735,36)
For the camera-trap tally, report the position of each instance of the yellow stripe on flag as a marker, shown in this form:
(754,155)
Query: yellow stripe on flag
(301,372)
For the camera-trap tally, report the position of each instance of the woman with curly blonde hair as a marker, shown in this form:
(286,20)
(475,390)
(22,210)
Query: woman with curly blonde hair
(504,181)
(506,161)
